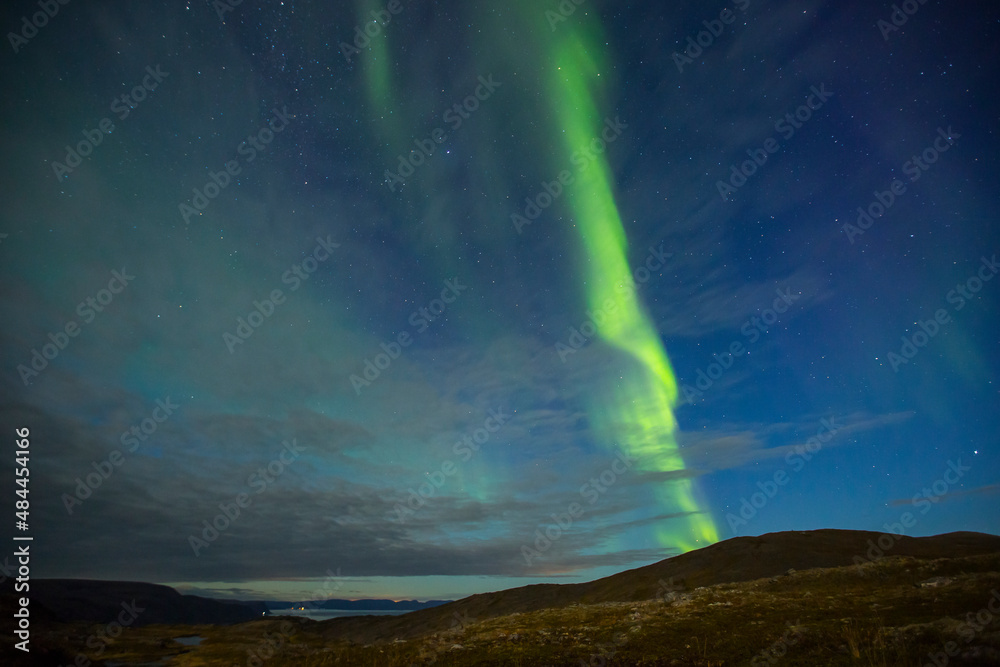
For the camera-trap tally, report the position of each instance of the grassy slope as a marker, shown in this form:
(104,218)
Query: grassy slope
(877,614)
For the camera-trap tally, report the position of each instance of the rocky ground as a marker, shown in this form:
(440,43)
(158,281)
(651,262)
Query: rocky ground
(898,611)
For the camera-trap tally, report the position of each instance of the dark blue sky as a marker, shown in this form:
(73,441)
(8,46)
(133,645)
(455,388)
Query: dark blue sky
(293,280)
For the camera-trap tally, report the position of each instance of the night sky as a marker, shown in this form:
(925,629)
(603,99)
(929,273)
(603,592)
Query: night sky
(496,293)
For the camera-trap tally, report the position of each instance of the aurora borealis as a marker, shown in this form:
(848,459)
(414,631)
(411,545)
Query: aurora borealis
(644,404)
(407,290)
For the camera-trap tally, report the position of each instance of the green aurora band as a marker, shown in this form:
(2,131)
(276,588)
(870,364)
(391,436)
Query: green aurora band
(637,410)
(640,413)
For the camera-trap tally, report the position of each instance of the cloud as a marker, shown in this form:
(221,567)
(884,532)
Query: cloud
(738,445)
(987,490)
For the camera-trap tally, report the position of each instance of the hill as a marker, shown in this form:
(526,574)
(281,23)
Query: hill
(734,560)
(94,601)
(829,597)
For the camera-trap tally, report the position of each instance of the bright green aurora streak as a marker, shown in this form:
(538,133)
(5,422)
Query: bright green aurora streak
(640,414)
(637,408)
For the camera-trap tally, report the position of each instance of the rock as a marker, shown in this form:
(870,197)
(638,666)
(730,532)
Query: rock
(935,582)
(981,653)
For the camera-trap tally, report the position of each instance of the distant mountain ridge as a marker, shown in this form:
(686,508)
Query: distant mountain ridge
(96,601)
(360,605)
